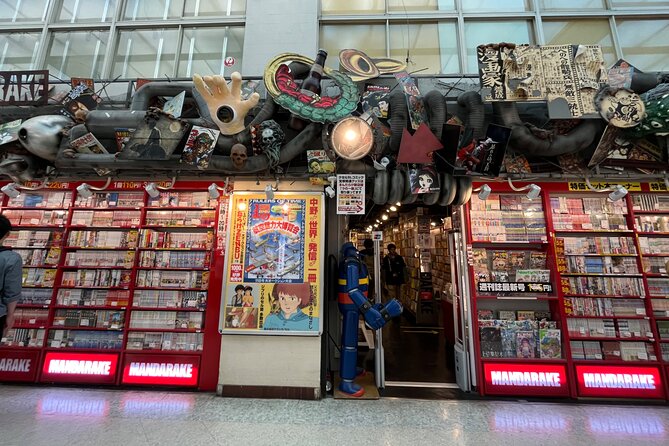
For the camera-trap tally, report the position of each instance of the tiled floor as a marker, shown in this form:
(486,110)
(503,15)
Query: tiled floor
(53,416)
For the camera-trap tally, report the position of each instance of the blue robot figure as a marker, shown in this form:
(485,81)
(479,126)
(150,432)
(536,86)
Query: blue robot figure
(353,283)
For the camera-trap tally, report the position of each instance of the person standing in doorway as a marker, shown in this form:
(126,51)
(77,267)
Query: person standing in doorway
(368,258)
(392,273)
(11,266)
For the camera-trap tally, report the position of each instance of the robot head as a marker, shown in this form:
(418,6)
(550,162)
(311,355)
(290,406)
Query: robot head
(348,250)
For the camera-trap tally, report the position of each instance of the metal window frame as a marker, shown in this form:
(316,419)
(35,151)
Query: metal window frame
(459,16)
(113,26)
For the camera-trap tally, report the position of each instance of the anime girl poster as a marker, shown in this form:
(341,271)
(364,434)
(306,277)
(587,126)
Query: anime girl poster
(424,180)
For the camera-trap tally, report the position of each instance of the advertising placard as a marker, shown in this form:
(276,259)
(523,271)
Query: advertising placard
(351,194)
(274,263)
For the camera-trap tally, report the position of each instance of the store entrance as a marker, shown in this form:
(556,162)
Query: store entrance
(417,348)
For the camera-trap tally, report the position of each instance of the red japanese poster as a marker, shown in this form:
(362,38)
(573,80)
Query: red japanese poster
(273,280)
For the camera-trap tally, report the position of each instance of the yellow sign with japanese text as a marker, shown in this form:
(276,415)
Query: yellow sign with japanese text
(273,282)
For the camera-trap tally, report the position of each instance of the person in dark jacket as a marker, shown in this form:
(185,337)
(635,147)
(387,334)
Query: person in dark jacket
(392,273)
(11,266)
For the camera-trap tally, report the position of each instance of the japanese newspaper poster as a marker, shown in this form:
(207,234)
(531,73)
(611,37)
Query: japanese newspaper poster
(274,262)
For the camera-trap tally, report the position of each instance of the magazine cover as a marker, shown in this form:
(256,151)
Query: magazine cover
(156,138)
(199,146)
(538,260)
(375,100)
(550,346)
(509,330)
(318,162)
(424,180)
(88,82)
(491,342)
(485,156)
(417,112)
(122,137)
(533,275)
(507,315)
(89,144)
(79,101)
(525,344)
(486,315)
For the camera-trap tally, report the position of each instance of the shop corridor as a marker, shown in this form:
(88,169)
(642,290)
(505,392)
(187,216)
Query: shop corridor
(45,416)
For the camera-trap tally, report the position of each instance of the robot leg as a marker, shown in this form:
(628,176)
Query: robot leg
(349,353)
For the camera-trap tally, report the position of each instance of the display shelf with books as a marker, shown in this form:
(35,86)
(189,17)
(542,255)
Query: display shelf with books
(117,272)
(604,288)
(513,283)
(651,221)
(39,219)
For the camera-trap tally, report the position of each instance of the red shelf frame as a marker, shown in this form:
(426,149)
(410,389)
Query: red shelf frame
(208,356)
(561,189)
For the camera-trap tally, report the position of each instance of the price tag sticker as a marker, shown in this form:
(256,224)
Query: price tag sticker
(598,356)
(113,303)
(637,334)
(32,321)
(641,311)
(649,334)
(643,356)
(581,330)
(22,344)
(84,323)
(55,344)
(616,353)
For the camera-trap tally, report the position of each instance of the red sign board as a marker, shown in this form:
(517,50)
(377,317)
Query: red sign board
(162,370)
(525,379)
(18,365)
(98,368)
(619,381)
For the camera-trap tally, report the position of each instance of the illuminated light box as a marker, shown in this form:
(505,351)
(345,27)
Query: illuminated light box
(98,368)
(525,379)
(18,365)
(619,381)
(162,370)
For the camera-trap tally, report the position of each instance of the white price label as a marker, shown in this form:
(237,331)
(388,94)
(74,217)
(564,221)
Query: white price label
(643,356)
(22,344)
(649,334)
(59,322)
(34,221)
(641,311)
(113,303)
(55,344)
(84,323)
(637,334)
(616,353)
(581,330)
(32,321)
(598,356)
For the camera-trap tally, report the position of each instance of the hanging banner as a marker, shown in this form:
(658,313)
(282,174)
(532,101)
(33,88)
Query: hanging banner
(274,263)
(351,194)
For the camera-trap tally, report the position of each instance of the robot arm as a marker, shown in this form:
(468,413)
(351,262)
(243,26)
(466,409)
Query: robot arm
(375,316)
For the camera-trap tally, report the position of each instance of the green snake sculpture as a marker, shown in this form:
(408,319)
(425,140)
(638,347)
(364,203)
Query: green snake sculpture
(281,85)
